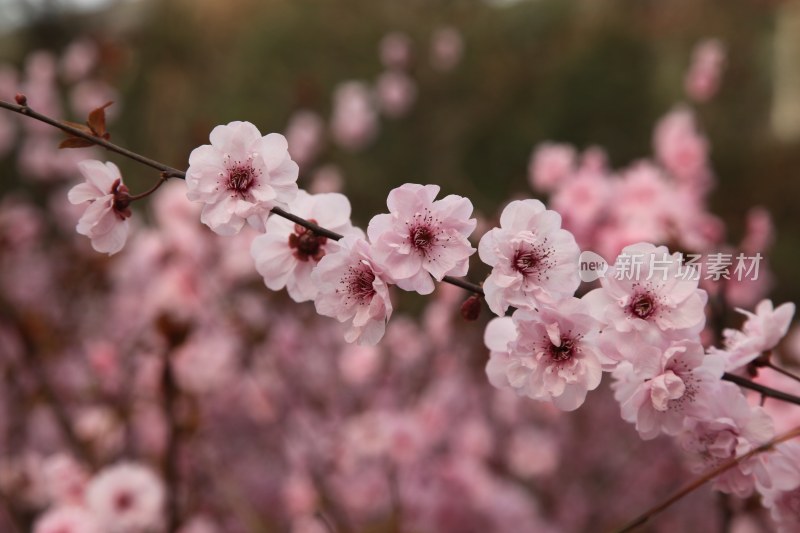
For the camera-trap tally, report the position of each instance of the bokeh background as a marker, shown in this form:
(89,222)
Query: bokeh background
(587,72)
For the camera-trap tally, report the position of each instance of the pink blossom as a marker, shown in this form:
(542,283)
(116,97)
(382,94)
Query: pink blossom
(287,253)
(499,334)
(729,429)
(554,356)
(664,386)
(354,119)
(420,237)
(702,78)
(105,221)
(582,202)
(646,291)
(759,231)
(67,519)
(761,332)
(206,362)
(65,479)
(447,48)
(240,177)
(783,498)
(532,452)
(396,92)
(126,498)
(353,289)
(551,165)
(79,59)
(327,178)
(680,147)
(359,364)
(304,133)
(395,50)
(533,260)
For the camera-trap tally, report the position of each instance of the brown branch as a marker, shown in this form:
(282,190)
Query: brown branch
(711,474)
(169,172)
(763,389)
(75,132)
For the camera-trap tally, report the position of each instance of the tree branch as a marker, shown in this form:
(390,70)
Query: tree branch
(763,389)
(169,172)
(711,474)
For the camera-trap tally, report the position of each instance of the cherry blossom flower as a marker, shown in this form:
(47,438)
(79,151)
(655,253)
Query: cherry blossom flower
(648,291)
(554,356)
(240,177)
(761,332)
(395,50)
(665,385)
(582,202)
(730,428)
(65,479)
(105,221)
(353,289)
(680,147)
(287,253)
(420,237)
(533,260)
(702,78)
(447,48)
(551,165)
(354,119)
(783,497)
(126,498)
(499,334)
(304,133)
(67,519)
(396,92)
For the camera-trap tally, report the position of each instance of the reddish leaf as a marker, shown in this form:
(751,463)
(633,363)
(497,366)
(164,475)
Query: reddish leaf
(83,127)
(75,142)
(97,121)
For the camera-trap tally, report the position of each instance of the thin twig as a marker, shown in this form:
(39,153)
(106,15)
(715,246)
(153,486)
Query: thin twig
(711,474)
(151,190)
(28,112)
(780,370)
(169,172)
(763,389)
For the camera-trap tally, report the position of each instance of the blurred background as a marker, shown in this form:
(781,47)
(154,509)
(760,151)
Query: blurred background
(587,72)
(473,87)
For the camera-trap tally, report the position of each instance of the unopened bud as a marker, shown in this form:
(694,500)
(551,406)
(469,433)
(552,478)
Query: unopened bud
(21,99)
(471,308)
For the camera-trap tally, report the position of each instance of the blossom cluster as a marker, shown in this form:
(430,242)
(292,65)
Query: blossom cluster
(552,341)
(122,498)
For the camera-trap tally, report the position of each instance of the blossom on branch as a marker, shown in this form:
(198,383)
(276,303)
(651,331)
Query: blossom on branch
(730,428)
(554,356)
(420,237)
(126,498)
(353,289)
(533,260)
(663,386)
(240,177)
(287,253)
(105,221)
(762,331)
(650,292)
